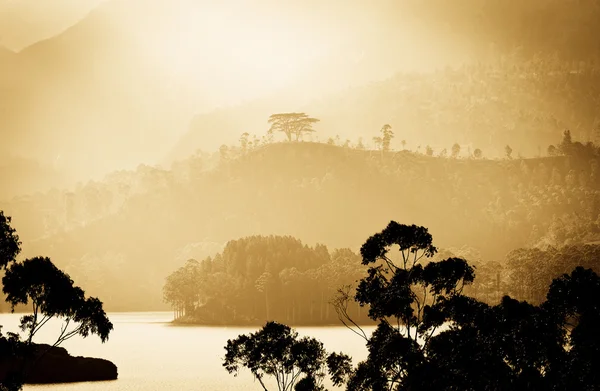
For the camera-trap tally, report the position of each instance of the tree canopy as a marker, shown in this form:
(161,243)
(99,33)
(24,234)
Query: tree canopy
(276,350)
(292,124)
(427,326)
(260,278)
(52,293)
(10,246)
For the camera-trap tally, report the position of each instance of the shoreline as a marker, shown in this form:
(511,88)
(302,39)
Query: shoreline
(182,322)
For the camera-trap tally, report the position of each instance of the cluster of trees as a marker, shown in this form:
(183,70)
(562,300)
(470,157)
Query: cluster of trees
(526,273)
(263,277)
(430,336)
(51,293)
(281,279)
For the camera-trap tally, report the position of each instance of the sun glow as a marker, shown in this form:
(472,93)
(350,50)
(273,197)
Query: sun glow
(253,56)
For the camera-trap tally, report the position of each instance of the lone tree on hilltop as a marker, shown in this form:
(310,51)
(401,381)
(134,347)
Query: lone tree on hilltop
(292,124)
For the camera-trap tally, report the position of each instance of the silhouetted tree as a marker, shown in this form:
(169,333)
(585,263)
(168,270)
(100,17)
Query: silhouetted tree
(10,246)
(406,299)
(428,151)
(512,345)
(275,350)
(292,124)
(477,153)
(455,150)
(52,294)
(552,150)
(508,150)
(566,143)
(386,137)
(573,301)
(244,141)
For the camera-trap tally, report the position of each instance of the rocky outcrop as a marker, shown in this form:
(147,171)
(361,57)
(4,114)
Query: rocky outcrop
(55,365)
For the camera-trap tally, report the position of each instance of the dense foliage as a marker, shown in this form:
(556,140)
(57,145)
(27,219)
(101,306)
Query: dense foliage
(295,363)
(263,277)
(526,273)
(430,336)
(10,246)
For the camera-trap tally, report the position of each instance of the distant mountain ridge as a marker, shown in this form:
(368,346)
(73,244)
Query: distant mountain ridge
(24,22)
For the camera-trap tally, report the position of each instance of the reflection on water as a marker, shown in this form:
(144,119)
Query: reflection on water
(151,354)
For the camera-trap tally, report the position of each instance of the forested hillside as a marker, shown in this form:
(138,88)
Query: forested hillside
(278,278)
(136,227)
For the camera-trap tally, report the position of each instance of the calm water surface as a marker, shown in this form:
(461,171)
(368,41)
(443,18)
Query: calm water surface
(151,354)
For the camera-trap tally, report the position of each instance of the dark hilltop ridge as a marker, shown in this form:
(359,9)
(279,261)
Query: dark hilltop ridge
(56,365)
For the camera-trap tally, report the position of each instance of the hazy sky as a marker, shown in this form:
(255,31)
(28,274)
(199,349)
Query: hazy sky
(121,86)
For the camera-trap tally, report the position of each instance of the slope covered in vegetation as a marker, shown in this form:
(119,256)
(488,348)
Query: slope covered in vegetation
(137,227)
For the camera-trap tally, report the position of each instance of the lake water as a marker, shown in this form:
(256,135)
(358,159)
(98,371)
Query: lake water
(152,354)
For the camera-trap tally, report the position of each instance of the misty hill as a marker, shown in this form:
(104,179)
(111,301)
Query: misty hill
(488,106)
(87,95)
(522,82)
(122,84)
(119,86)
(26,176)
(25,22)
(136,227)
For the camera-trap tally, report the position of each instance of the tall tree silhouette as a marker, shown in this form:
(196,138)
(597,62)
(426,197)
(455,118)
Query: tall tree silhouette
(276,350)
(386,137)
(405,298)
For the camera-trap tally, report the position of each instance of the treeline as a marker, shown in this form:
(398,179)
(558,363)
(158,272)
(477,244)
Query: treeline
(278,278)
(263,277)
(318,193)
(486,105)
